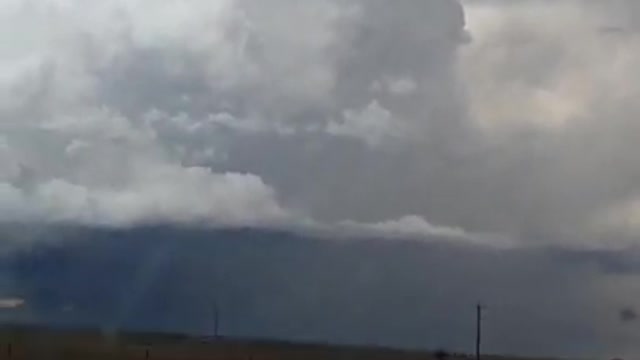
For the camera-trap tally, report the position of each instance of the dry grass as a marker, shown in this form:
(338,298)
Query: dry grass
(42,345)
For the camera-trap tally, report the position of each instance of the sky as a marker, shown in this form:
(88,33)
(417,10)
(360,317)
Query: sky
(500,124)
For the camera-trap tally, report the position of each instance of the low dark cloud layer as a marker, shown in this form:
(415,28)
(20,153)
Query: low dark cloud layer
(278,285)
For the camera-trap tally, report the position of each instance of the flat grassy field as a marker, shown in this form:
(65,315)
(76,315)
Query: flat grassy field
(38,344)
(43,344)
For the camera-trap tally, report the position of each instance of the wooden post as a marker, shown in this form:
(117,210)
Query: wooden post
(216,319)
(478,329)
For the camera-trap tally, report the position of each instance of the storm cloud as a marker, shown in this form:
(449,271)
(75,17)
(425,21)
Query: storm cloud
(408,294)
(135,112)
(507,125)
(510,118)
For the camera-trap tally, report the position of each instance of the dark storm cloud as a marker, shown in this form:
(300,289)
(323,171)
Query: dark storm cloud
(278,285)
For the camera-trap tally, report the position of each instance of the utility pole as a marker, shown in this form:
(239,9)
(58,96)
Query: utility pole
(479,309)
(216,318)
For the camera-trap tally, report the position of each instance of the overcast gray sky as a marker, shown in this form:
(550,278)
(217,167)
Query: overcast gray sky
(507,118)
(504,123)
